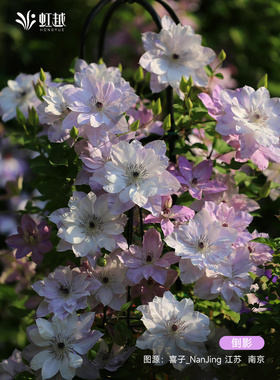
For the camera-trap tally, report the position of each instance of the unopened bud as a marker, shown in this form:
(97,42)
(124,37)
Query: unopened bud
(101,262)
(222,56)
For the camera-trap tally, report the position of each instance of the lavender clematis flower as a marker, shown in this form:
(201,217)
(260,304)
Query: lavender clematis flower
(112,291)
(213,103)
(19,93)
(197,179)
(57,346)
(65,291)
(31,238)
(114,359)
(13,366)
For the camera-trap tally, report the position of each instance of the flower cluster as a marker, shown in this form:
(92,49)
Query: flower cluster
(149,211)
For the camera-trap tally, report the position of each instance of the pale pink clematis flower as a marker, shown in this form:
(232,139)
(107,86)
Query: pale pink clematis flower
(251,115)
(228,217)
(231,287)
(205,242)
(148,289)
(178,213)
(99,102)
(273,174)
(146,261)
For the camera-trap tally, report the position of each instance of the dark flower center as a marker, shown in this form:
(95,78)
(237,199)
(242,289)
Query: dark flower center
(99,105)
(201,245)
(175,56)
(250,249)
(91,224)
(106,356)
(135,174)
(105,280)
(174,327)
(166,211)
(149,258)
(64,290)
(60,345)
(194,181)
(224,225)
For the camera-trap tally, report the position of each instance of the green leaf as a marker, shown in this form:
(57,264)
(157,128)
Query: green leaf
(221,146)
(135,125)
(126,306)
(263,81)
(267,241)
(167,123)
(139,75)
(157,109)
(72,65)
(200,146)
(24,376)
(241,177)
(219,75)
(265,190)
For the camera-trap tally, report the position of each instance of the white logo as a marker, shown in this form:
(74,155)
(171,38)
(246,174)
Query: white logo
(26,22)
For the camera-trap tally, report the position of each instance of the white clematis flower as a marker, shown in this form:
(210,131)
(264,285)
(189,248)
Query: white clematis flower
(174,52)
(138,172)
(88,224)
(173,328)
